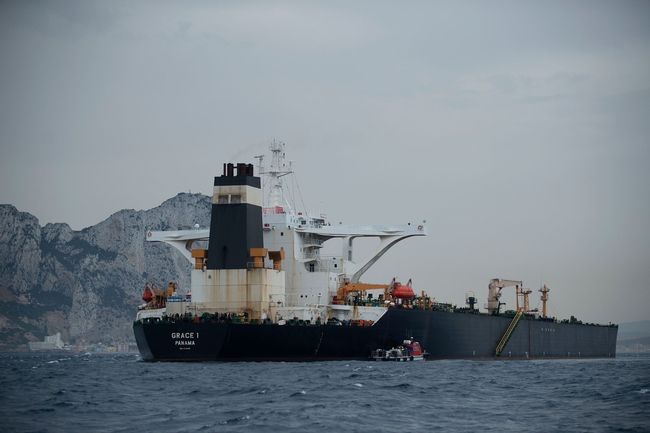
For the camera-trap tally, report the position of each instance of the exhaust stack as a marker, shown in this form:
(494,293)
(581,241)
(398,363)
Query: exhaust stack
(236,221)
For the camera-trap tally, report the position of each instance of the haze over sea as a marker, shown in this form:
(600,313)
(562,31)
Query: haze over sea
(74,393)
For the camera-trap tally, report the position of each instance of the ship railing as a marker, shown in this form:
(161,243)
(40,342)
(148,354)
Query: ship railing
(275,210)
(312,241)
(310,255)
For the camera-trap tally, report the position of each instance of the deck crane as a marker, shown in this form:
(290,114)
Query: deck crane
(494,292)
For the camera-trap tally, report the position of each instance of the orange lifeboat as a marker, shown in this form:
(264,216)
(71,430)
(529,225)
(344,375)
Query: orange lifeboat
(402,291)
(147,294)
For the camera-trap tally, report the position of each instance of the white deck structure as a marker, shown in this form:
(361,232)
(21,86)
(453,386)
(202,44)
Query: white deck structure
(312,279)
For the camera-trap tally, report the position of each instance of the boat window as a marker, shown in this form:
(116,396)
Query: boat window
(235,198)
(223,199)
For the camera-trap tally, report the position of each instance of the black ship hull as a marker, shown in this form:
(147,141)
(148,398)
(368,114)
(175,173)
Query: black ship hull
(444,335)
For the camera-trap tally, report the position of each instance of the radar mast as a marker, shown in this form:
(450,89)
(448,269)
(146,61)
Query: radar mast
(278,169)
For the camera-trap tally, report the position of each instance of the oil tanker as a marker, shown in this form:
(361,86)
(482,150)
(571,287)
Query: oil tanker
(263,290)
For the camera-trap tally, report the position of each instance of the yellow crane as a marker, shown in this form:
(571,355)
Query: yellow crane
(360,288)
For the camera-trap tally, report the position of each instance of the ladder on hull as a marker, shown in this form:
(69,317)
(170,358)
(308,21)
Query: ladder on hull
(509,330)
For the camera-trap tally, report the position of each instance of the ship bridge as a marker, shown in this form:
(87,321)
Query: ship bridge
(313,237)
(302,236)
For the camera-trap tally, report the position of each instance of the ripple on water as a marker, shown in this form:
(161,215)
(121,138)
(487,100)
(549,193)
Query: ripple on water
(322,397)
(399,386)
(237,420)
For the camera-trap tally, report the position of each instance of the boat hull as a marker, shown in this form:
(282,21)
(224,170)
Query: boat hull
(444,335)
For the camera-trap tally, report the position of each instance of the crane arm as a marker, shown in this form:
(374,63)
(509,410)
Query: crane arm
(348,288)
(494,292)
(500,284)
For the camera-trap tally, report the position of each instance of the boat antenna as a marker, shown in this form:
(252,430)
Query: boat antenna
(260,163)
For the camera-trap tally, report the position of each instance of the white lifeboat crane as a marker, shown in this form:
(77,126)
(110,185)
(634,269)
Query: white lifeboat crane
(494,292)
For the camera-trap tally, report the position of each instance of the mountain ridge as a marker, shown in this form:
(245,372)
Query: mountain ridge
(87,283)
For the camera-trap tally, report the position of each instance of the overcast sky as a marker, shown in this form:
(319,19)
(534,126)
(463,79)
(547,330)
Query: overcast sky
(518,130)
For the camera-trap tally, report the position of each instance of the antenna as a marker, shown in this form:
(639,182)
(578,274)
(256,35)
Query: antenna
(259,158)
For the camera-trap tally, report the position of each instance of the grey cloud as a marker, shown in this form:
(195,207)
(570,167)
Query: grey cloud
(517,129)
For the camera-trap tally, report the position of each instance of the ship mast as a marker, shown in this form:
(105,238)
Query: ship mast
(279,168)
(544,290)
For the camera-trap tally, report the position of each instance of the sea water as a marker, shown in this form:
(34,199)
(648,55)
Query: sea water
(121,393)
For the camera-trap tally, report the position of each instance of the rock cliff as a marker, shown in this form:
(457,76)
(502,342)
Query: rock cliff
(87,284)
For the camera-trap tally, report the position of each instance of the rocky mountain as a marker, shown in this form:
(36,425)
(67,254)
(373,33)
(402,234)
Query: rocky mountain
(87,284)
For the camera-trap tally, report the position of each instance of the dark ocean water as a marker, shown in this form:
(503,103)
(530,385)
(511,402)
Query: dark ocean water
(81,393)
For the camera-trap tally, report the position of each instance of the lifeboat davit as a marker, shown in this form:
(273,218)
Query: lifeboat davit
(402,291)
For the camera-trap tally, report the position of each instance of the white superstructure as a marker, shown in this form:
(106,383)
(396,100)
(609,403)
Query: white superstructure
(311,279)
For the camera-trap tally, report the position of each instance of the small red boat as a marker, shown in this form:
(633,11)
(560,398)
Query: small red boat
(410,350)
